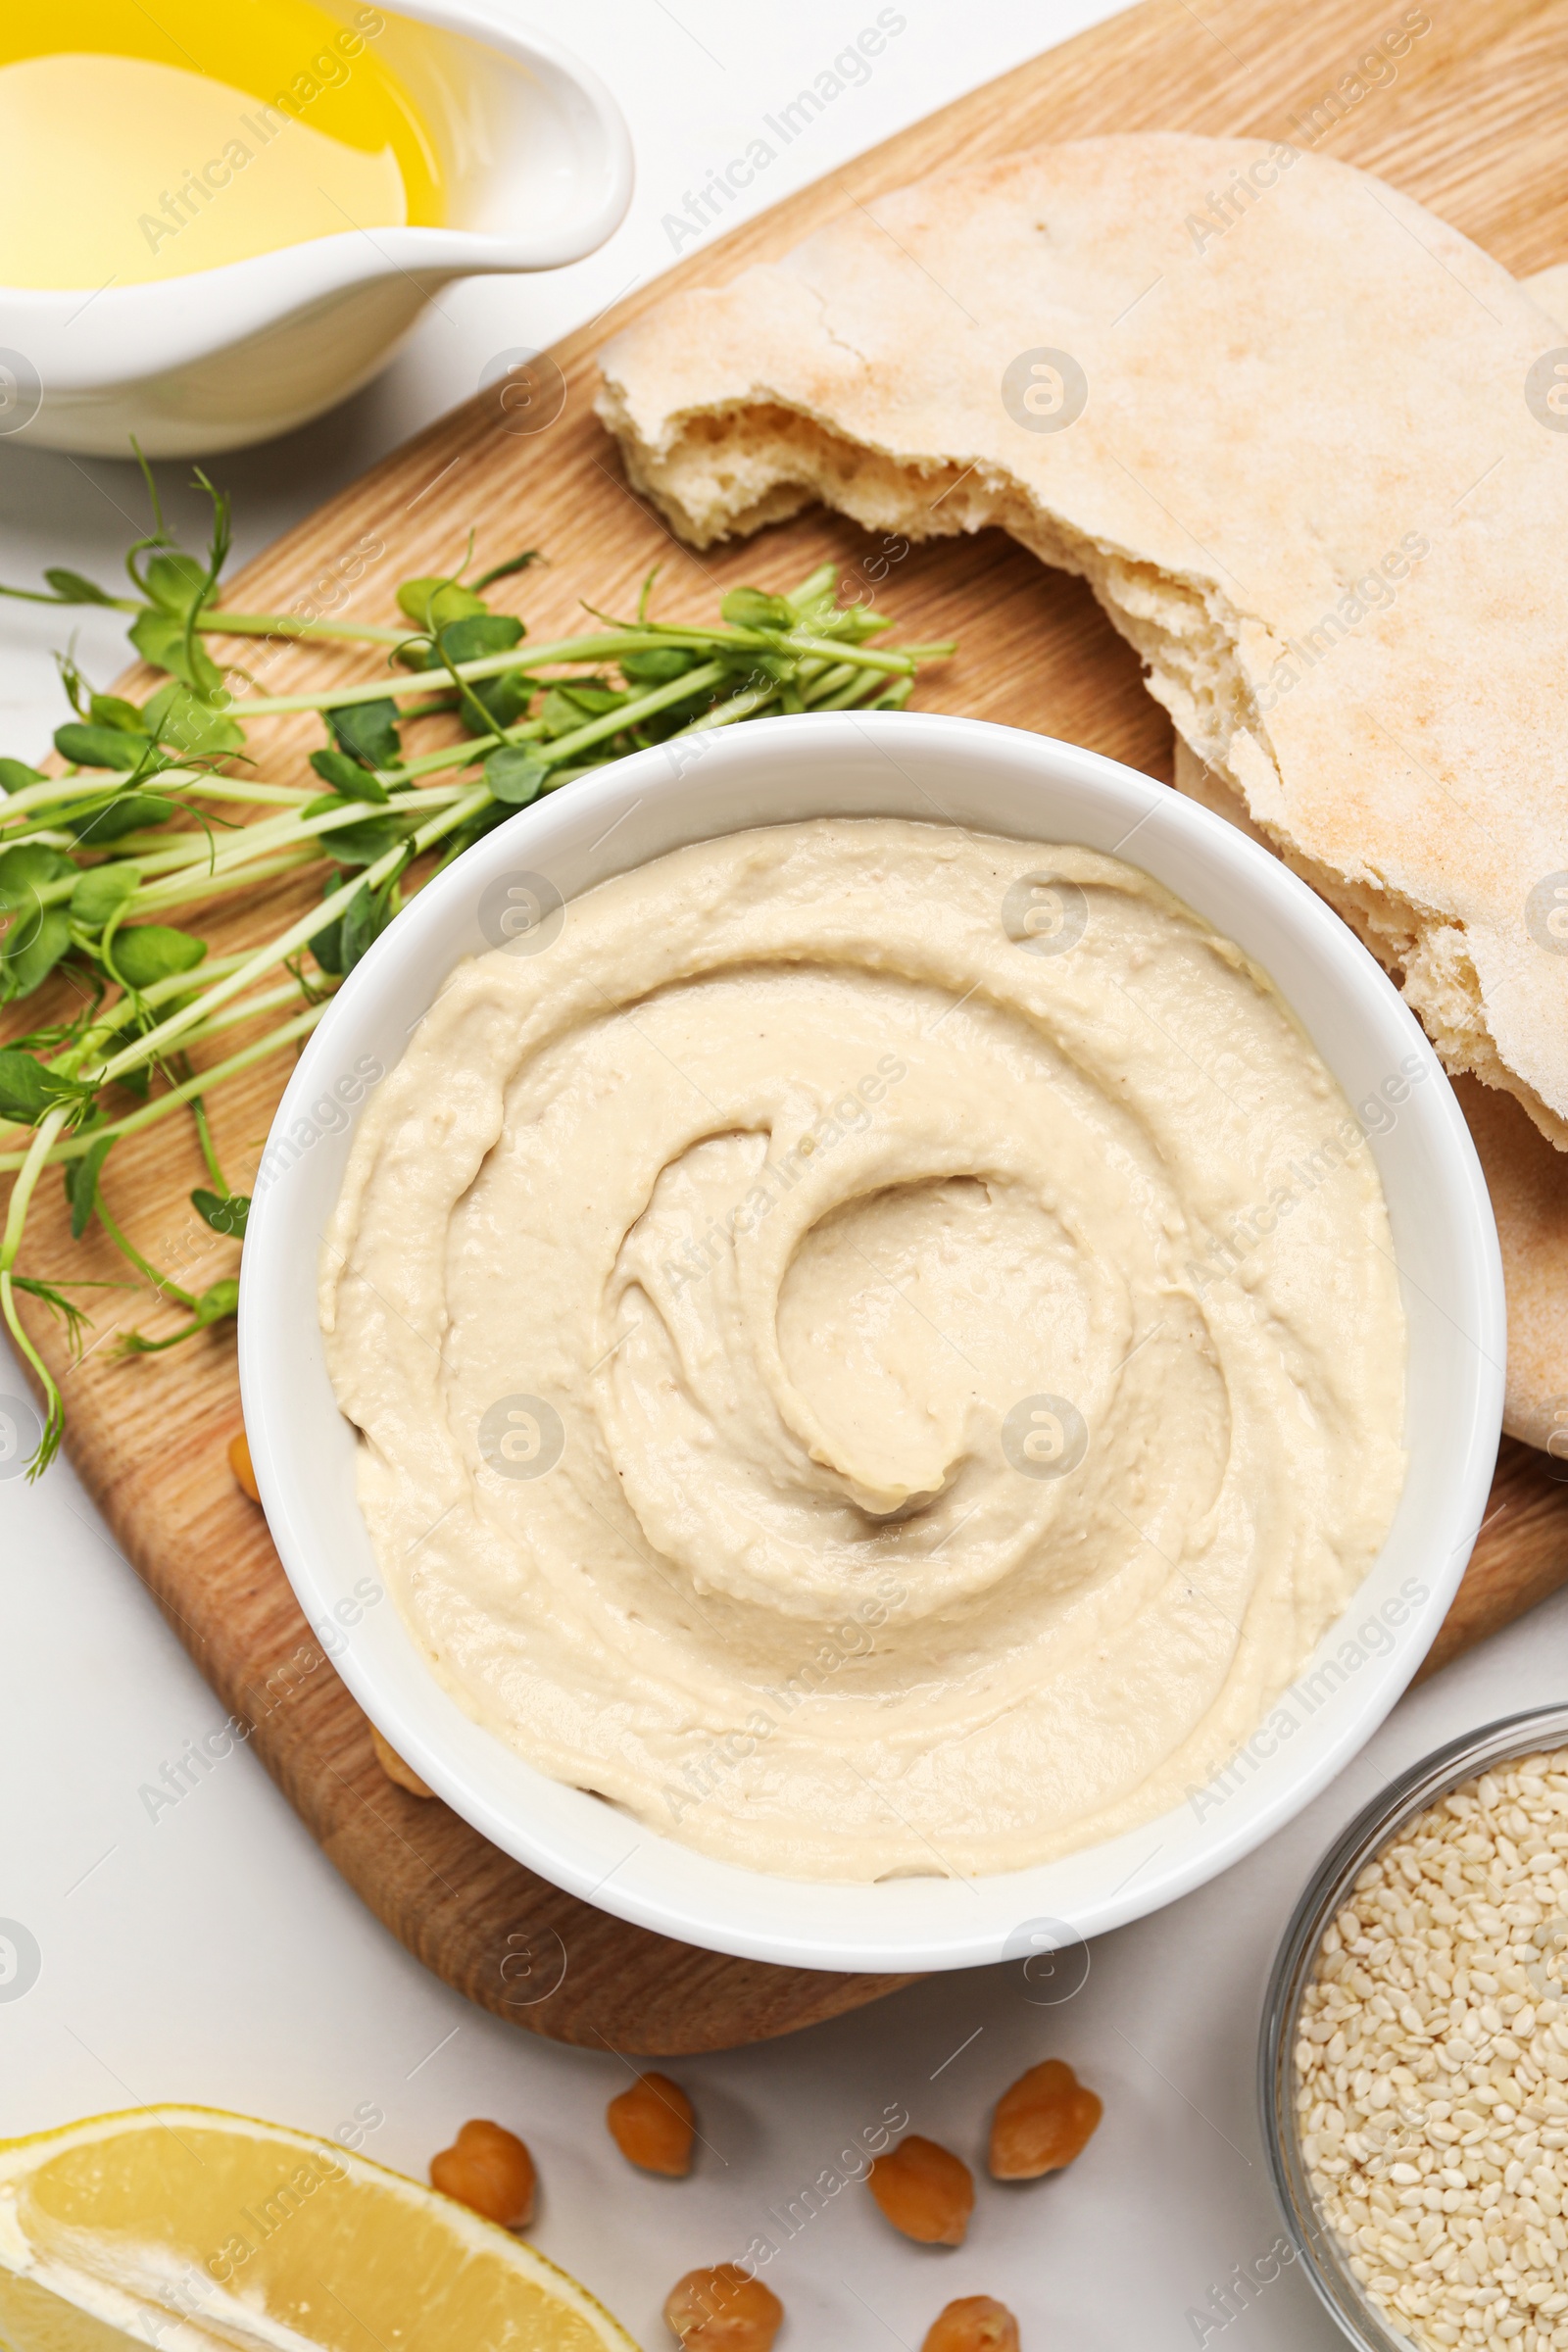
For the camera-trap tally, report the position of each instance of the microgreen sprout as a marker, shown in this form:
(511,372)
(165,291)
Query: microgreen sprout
(160,807)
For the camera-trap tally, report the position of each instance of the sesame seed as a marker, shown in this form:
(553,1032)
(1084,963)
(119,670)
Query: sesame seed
(1431,2068)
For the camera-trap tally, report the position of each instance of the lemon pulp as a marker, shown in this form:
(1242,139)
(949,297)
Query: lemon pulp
(118,2231)
(148,150)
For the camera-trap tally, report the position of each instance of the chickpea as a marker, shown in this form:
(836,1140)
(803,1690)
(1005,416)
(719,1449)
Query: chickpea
(489,2169)
(974,2324)
(392,1764)
(239,1461)
(652,2126)
(925,2191)
(724,2310)
(1042,2122)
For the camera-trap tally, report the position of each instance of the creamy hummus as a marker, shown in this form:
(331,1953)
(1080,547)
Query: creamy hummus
(877,1347)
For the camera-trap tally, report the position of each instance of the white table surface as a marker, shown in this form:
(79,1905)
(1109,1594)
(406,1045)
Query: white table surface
(213,1954)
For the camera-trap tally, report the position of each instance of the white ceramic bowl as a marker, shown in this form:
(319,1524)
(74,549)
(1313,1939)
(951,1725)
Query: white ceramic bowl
(537,163)
(998,780)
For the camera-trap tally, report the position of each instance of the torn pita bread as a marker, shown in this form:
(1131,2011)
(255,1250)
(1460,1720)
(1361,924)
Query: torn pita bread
(1529,1185)
(1547,289)
(1528,1181)
(1526,1177)
(1303,440)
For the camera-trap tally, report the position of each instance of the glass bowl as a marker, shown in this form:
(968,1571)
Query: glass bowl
(1317,2248)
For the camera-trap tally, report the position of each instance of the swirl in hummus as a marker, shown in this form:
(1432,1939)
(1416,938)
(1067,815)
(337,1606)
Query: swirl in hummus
(877,1347)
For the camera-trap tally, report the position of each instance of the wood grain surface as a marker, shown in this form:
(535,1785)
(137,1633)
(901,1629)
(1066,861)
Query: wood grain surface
(1471,124)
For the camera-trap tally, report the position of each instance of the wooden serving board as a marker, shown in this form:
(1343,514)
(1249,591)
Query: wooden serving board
(1471,124)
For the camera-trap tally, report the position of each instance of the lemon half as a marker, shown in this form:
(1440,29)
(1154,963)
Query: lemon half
(188,2230)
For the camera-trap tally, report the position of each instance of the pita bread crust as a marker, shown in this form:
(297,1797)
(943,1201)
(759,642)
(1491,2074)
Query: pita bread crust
(1529,1185)
(1307,488)
(1528,1181)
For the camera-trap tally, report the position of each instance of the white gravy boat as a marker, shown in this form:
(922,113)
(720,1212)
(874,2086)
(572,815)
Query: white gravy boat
(537,168)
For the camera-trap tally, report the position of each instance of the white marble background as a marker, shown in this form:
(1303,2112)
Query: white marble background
(214,1956)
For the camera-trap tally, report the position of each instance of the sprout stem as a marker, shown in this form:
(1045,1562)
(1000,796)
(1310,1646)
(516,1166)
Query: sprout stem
(150,1113)
(32,1166)
(216,621)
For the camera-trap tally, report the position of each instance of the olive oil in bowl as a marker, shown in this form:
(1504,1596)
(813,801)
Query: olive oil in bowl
(221,216)
(138,151)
